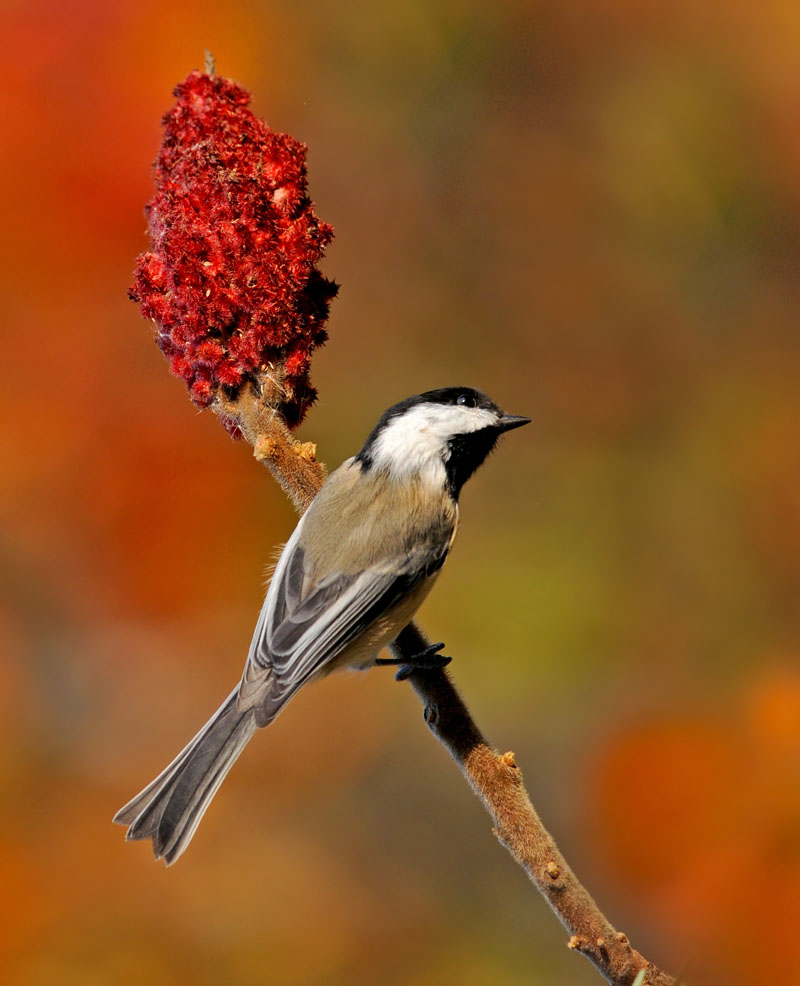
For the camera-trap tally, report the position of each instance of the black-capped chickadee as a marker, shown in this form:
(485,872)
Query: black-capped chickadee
(358,565)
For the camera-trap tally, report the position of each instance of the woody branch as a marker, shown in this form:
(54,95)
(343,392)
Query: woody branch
(238,304)
(495,778)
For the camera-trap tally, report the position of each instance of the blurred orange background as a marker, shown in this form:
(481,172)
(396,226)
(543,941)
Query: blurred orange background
(591,212)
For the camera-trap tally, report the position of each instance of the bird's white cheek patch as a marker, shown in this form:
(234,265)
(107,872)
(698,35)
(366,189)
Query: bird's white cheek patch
(417,441)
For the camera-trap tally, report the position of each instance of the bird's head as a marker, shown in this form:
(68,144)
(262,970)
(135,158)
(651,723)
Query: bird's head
(441,436)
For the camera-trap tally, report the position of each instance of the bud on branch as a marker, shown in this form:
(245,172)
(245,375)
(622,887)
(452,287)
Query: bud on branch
(231,282)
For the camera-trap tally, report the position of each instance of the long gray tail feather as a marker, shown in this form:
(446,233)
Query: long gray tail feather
(169,809)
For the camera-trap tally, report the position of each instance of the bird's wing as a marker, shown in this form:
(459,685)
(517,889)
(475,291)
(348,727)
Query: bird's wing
(303,627)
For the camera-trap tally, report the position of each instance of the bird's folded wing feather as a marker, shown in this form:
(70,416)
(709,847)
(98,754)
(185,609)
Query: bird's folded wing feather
(303,627)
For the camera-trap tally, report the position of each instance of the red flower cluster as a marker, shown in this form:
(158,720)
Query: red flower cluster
(231,280)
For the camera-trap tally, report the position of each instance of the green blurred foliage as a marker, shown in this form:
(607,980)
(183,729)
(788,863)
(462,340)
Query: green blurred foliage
(591,212)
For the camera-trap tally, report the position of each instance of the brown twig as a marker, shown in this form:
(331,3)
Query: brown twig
(497,780)
(494,777)
(293,464)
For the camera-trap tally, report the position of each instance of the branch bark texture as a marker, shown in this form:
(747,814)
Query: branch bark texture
(495,778)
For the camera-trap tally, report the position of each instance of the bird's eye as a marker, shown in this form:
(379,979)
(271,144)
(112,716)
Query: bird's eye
(465,400)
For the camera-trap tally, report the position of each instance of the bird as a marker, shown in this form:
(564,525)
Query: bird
(361,560)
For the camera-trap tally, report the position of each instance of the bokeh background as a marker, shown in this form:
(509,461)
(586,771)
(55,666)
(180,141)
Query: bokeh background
(590,211)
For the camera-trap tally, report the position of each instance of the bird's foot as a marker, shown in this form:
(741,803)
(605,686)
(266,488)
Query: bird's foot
(427,660)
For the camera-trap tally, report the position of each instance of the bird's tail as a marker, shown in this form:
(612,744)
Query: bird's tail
(169,809)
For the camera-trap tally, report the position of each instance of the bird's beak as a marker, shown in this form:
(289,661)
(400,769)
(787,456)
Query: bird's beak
(510,421)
